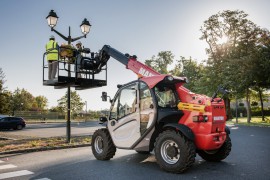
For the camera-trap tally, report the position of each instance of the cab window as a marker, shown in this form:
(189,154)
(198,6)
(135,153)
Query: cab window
(145,97)
(113,113)
(166,97)
(147,108)
(125,103)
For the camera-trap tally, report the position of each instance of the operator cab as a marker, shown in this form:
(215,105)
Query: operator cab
(136,108)
(167,101)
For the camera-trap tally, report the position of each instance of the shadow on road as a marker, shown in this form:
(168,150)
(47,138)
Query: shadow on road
(136,166)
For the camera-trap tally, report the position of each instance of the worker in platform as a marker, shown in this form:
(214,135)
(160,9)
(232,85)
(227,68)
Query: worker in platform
(78,58)
(52,57)
(79,46)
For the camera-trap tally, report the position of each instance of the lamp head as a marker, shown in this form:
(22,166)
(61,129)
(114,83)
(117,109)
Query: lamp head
(85,26)
(52,19)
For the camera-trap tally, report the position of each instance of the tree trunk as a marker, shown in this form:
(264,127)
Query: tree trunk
(261,100)
(236,110)
(248,106)
(228,108)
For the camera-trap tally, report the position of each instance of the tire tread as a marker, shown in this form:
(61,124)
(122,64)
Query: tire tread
(109,150)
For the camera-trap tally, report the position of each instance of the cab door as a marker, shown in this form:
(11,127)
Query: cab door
(124,119)
(147,108)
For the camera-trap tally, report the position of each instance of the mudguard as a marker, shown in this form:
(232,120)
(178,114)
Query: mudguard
(187,132)
(227,130)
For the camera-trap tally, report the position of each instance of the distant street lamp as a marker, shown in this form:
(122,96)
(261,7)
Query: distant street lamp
(21,106)
(85,110)
(85,27)
(85,106)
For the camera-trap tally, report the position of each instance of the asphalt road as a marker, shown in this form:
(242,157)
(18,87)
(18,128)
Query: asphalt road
(249,159)
(45,130)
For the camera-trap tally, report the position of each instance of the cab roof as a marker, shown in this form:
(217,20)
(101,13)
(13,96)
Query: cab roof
(152,81)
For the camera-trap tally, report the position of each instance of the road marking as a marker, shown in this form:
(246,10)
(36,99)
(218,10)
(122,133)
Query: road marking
(15,174)
(8,166)
(44,179)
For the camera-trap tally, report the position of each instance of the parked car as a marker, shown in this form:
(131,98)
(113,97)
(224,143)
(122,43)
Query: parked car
(12,123)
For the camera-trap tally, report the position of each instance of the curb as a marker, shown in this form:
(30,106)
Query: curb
(249,125)
(43,149)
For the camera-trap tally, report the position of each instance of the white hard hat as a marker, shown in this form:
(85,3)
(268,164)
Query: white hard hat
(52,37)
(79,42)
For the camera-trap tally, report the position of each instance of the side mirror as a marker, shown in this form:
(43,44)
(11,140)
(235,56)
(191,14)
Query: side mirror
(103,119)
(104,96)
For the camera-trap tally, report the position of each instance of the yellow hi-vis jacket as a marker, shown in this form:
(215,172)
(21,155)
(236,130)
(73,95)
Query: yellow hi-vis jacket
(52,49)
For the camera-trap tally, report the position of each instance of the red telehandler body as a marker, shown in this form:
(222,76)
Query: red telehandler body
(156,112)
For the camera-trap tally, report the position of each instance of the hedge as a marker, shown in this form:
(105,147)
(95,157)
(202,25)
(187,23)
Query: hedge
(254,111)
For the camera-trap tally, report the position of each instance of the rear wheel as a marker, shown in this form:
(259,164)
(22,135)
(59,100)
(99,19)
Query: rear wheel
(174,152)
(19,127)
(102,145)
(219,154)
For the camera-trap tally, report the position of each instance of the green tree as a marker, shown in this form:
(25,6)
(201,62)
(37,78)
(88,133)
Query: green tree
(4,95)
(192,70)
(21,100)
(261,68)
(55,109)
(76,103)
(161,61)
(41,102)
(230,62)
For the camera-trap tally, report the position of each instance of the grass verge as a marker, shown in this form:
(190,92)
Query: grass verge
(255,121)
(31,145)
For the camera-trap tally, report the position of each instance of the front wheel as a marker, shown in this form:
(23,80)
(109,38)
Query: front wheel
(102,145)
(174,152)
(219,154)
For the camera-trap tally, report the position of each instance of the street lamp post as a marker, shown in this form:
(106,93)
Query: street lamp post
(85,110)
(85,28)
(85,106)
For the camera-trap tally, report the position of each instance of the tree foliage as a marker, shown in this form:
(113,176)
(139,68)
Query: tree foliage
(41,102)
(235,62)
(161,61)
(76,103)
(21,100)
(238,58)
(4,94)
(190,68)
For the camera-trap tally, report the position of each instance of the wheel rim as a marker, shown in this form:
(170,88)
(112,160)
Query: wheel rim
(99,144)
(19,127)
(170,152)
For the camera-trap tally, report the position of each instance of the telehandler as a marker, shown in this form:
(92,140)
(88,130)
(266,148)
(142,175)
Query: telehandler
(156,112)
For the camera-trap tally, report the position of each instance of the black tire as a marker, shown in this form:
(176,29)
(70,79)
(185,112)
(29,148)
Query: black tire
(219,154)
(174,152)
(19,127)
(102,145)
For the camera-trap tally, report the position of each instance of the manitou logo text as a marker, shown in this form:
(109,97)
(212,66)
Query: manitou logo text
(145,73)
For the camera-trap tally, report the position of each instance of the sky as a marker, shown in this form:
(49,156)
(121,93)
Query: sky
(141,27)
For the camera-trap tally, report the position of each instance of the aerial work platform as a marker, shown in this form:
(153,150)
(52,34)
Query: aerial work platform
(78,71)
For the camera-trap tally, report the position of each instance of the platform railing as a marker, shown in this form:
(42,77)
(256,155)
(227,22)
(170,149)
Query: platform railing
(83,78)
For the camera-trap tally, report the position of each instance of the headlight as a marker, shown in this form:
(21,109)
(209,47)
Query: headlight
(170,78)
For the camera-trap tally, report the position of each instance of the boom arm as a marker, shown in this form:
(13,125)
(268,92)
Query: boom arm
(129,61)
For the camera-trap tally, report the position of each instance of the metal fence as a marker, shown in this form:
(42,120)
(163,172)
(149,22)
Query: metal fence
(31,115)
